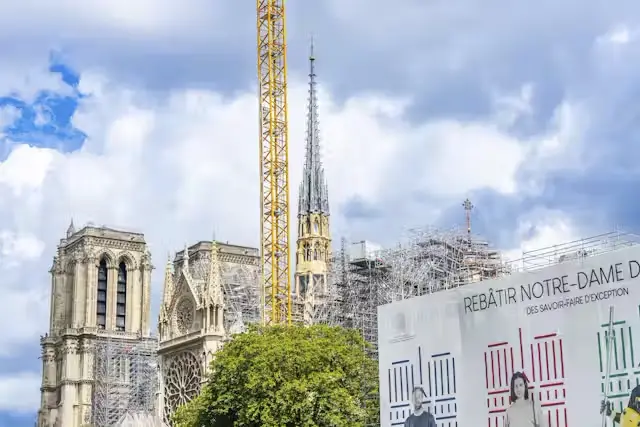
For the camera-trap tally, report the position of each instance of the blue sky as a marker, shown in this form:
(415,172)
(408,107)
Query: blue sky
(46,120)
(144,118)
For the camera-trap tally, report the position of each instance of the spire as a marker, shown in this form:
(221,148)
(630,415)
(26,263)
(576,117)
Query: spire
(215,283)
(72,229)
(313,197)
(167,292)
(185,258)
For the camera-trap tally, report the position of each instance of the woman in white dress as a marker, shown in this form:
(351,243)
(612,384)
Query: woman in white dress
(525,410)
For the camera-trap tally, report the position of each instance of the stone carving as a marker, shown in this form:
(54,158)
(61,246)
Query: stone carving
(129,260)
(87,346)
(108,255)
(115,244)
(185,311)
(71,346)
(181,382)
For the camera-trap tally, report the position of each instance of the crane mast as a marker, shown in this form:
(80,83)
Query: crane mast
(274,162)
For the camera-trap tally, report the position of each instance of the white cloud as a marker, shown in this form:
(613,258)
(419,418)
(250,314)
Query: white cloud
(467,156)
(15,248)
(181,168)
(26,78)
(541,229)
(511,107)
(25,313)
(20,392)
(618,35)
(26,168)
(8,114)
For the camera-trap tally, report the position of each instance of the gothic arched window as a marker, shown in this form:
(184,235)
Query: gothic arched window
(316,226)
(121,302)
(307,252)
(101,309)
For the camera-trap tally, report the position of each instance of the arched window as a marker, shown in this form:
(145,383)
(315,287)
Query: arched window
(101,309)
(121,302)
(316,226)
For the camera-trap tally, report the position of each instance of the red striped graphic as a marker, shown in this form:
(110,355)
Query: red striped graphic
(545,372)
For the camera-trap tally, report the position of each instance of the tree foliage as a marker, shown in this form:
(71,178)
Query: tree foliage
(286,376)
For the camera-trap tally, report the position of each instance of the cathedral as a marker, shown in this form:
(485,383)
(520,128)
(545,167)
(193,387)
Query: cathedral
(101,365)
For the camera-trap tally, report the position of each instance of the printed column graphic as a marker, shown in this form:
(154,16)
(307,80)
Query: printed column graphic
(436,374)
(625,369)
(542,361)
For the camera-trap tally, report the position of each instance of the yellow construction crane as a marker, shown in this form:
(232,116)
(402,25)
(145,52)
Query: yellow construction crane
(274,162)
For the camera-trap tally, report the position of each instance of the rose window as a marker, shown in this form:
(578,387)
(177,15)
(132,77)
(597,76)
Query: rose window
(184,315)
(181,382)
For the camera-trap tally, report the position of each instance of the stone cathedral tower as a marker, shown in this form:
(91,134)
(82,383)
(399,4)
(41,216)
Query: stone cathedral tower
(210,288)
(314,237)
(100,296)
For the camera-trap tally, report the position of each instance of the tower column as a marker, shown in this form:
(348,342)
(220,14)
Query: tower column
(91,298)
(145,297)
(70,378)
(112,295)
(87,348)
(131,285)
(57,300)
(78,293)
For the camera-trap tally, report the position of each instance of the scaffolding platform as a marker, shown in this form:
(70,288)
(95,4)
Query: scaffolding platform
(125,379)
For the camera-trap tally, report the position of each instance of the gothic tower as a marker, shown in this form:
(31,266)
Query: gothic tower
(100,298)
(314,237)
(210,288)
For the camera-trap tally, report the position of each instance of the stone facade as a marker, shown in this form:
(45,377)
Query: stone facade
(100,288)
(210,291)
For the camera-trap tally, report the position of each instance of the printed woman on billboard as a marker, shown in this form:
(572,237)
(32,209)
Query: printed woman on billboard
(525,410)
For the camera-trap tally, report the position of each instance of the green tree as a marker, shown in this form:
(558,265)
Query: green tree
(288,376)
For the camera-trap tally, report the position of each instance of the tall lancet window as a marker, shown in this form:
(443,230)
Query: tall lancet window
(101,309)
(121,302)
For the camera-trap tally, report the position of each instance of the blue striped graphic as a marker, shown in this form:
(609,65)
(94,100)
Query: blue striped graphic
(438,380)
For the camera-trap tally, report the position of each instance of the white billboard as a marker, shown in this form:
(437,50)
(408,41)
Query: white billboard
(462,347)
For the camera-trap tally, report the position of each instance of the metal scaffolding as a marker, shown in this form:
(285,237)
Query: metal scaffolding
(427,260)
(431,260)
(241,282)
(125,379)
(574,250)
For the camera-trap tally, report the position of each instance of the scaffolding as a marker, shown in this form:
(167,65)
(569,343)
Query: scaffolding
(240,281)
(427,260)
(430,260)
(574,250)
(125,378)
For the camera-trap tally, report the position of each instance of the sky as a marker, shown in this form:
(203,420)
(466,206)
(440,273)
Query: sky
(143,116)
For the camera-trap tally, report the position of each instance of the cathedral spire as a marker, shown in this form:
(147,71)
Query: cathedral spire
(313,197)
(71,230)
